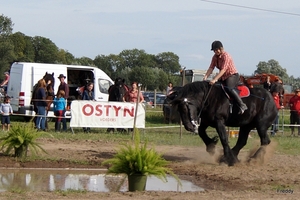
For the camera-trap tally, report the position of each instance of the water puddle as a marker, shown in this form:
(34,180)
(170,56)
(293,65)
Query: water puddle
(88,180)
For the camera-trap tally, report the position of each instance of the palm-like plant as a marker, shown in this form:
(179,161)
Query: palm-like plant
(20,138)
(138,159)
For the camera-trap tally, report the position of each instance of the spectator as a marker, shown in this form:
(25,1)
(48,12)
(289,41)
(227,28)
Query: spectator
(65,87)
(295,111)
(5,81)
(169,88)
(59,107)
(132,95)
(41,105)
(88,94)
(276,98)
(6,110)
(267,84)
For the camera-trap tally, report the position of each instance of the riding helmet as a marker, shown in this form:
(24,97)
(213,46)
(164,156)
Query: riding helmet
(216,45)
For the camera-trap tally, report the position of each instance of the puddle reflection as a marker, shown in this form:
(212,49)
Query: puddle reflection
(89,180)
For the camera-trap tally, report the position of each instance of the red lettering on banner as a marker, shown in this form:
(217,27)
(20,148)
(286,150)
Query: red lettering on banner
(117,110)
(107,109)
(86,107)
(104,110)
(99,110)
(130,112)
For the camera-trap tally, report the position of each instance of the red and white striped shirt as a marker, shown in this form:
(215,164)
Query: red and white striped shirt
(224,61)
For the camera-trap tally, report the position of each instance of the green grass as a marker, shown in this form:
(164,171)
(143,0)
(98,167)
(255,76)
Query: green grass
(159,133)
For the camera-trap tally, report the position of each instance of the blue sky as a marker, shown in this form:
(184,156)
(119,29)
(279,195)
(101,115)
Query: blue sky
(186,28)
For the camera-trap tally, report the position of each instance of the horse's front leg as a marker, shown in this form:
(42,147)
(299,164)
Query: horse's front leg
(209,142)
(228,156)
(242,139)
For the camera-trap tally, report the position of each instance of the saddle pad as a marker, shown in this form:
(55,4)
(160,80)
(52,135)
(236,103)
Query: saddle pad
(243,90)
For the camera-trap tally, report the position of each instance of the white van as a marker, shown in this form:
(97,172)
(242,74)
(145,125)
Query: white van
(23,76)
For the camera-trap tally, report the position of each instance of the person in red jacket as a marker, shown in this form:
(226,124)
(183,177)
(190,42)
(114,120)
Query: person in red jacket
(295,111)
(276,98)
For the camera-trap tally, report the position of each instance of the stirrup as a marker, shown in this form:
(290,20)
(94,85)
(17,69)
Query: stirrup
(242,110)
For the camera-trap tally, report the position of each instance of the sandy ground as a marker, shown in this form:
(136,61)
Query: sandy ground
(277,178)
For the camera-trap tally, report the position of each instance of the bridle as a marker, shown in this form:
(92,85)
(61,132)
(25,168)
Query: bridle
(187,103)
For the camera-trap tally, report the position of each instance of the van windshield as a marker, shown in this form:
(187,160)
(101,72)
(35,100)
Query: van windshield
(104,85)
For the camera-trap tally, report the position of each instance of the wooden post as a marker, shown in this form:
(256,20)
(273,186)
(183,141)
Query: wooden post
(136,109)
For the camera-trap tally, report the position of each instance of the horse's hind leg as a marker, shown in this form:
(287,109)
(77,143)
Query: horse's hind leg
(209,142)
(264,141)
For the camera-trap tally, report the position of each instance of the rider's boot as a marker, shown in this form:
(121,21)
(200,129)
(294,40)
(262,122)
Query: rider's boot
(239,101)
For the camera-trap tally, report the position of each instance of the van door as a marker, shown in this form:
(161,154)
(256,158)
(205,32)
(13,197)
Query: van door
(101,85)
(14,85)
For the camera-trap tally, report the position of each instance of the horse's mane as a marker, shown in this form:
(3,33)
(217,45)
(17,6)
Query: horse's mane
(191,89)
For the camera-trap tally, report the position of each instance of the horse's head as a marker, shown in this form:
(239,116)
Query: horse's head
(119,82)
(49,77)
(50,80)
(118,90)
(188,101)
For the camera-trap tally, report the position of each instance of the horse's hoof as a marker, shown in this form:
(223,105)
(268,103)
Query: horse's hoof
(222,159)
(211,149)
(229,162)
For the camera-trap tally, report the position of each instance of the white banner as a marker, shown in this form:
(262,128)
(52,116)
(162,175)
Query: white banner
(106,114)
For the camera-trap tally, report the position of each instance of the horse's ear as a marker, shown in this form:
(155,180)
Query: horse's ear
(52,73)
(123,80)
(46,73)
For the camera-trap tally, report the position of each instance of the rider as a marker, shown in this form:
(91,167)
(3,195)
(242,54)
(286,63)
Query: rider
(228,73)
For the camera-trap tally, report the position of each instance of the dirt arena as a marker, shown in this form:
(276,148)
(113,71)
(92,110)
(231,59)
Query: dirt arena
(277,178)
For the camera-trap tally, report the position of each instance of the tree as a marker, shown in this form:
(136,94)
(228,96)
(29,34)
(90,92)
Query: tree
(6,25)
(7,55)
(64,57)
(103,63)
(272,67)
(23,47)
(169,62)
(136,58)
(45,50)
(145,76)
(85,61)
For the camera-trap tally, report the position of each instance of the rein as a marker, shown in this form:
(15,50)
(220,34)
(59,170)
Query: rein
(197,123)
(203,103)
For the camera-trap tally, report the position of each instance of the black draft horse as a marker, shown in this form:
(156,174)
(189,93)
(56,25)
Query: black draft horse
(201,105)
(49,92)
(117,93)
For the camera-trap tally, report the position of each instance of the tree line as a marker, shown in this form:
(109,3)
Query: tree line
(152,71)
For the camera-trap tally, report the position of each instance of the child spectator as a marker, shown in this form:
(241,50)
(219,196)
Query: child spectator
(6,110)
(59,108)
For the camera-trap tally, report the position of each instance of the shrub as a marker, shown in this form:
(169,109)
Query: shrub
(20,138)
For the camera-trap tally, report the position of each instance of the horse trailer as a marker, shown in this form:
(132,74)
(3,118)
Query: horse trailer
(23,76)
